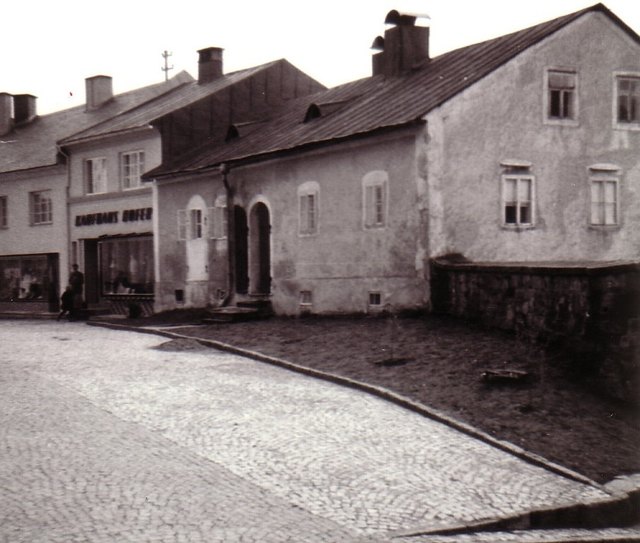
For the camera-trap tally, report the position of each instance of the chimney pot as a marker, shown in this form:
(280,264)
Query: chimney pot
(209,64)
(24,106)
(99,90)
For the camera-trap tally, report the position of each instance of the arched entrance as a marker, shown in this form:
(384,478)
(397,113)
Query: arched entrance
(260,249)
(241,232)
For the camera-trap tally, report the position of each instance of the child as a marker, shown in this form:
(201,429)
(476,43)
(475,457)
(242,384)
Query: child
(67,303)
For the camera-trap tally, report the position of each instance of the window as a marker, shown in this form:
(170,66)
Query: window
(126,265)
(27,277)
(308,208)
(306,298)
(375,299)
(374,186)
(190,224)
(561,95)
(195,222)
(96,175)
(604,201)
(131,169)
(517,200)
(40,208)
(628,100)
(4,219)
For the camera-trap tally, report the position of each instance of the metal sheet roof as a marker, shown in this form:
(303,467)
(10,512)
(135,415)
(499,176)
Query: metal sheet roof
(33,145)
(163,105)
(376,102)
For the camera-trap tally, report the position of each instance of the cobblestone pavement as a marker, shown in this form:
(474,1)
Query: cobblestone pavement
(104,436)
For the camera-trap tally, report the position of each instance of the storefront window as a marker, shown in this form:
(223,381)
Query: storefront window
(126,265)
(25,278)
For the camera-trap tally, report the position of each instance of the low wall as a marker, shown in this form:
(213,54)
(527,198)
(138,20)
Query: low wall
(590,312)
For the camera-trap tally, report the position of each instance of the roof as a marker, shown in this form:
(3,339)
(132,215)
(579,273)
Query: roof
(145,113)
(376,102)
(33,145)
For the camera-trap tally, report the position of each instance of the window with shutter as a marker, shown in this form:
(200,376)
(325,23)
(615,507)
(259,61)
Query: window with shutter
(375,186)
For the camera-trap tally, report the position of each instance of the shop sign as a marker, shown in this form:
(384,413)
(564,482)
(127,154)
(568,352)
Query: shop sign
(111,217)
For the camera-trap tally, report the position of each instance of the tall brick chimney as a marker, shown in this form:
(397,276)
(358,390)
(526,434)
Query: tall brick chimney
(24,108)
(99,90)
(6,113)
(404,47)
(209,64)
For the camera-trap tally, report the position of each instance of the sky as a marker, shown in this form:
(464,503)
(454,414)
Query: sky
(49,47)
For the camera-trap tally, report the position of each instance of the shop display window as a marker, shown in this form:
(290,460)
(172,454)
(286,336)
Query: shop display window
(25,278)
(126,265)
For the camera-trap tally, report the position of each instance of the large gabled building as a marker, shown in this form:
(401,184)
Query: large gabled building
(34,179)
(111,212)
(524,148)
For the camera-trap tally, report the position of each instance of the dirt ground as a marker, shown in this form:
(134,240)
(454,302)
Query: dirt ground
(439,362)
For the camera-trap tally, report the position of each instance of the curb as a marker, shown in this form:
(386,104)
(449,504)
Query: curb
(622,508)
(618,511)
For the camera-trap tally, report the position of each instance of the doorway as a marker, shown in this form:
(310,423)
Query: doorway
(91,278)
(260,247)
(241,233)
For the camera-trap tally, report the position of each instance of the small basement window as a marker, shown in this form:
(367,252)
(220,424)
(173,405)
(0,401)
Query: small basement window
(306,297)
(375,299)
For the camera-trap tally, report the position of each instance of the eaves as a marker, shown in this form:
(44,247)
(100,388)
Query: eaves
(24,173)
(234,162)
(105,137)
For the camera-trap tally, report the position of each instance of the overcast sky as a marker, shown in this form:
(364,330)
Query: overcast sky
(48,47)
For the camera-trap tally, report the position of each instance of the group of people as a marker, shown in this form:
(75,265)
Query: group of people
(71,299)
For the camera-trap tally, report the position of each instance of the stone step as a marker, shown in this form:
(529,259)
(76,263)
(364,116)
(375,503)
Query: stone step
(233,313)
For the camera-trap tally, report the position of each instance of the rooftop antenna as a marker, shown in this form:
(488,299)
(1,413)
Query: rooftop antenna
(166,66)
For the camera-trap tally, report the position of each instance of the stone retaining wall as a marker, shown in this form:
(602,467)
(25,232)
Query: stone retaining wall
(590,312)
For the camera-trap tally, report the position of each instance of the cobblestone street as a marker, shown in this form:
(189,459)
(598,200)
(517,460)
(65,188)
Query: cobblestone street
(106,437)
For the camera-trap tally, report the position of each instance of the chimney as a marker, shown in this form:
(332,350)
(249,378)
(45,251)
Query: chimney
(24,107)
(405,46)
(6,113)
(209,64)
(99,90)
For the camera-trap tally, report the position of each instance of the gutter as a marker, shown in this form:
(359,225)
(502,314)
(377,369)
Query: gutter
(68,218)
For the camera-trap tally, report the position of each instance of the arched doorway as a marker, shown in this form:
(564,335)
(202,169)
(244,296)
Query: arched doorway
(260,249)
(241,232)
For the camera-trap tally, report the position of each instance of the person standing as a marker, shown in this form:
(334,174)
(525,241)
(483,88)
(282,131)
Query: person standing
(76,280)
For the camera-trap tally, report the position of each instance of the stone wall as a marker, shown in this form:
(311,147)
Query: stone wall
(591,313)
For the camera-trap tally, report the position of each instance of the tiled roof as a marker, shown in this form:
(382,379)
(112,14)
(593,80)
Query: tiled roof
(150,111)
(376,102)
(33,145)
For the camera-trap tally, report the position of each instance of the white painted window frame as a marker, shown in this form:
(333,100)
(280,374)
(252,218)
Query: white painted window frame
(40,207)
(308,215)
(131,179)
(573,120)
(602,180)
(518,177)
(617,124)
(95,176)
(375,200)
